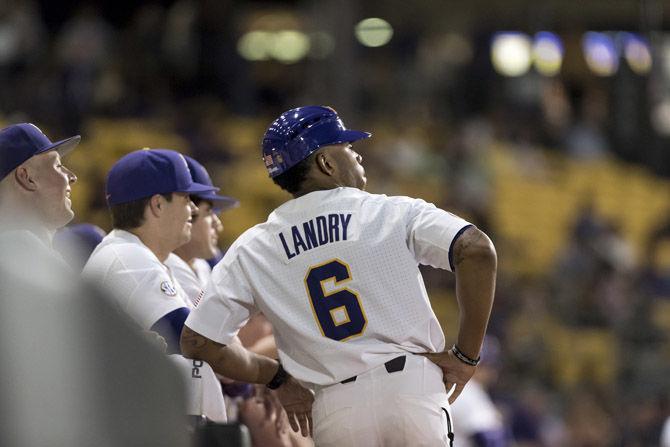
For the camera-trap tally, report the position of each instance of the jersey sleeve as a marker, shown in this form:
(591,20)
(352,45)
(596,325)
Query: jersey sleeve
(145,293)
(431,232)
(227,305)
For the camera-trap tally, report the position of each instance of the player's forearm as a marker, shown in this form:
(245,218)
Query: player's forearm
(475,262)
(265,346)
(232,361)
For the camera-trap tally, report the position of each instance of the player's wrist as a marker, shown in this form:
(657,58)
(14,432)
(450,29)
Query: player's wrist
(464,358)
(280,377)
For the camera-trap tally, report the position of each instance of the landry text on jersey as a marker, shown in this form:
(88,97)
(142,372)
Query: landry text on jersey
(314,233)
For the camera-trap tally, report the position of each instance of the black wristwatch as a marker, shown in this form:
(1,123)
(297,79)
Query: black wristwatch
(280,377)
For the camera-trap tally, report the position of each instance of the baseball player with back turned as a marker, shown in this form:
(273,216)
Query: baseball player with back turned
(336,272)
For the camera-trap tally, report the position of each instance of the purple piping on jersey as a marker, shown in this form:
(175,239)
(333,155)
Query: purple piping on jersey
(451,247)
(170,326)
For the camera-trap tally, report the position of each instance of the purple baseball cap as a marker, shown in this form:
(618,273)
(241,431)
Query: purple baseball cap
(200,175)
(19,142)
(147,172)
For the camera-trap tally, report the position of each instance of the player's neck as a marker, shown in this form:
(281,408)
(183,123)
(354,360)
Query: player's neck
(13,218)
(185,254)
(315,185)
(153,241)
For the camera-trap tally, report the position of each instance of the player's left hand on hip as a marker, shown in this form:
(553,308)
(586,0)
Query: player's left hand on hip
(455,373)
(297,401)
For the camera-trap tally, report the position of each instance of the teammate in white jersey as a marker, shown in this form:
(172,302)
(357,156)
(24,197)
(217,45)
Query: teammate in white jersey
(148,196)
(35,186)
(188,262)
(336,272)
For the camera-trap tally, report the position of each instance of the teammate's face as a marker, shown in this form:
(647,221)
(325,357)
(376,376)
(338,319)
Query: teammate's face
(176,219)
(53,183)
(349,170)
(205,231)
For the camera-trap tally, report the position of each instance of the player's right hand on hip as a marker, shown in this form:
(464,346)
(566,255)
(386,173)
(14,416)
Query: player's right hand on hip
(455,373)
(297,401)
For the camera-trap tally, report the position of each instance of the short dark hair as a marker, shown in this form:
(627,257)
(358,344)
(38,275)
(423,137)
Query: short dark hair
(131,214)
(197,201)
(291,180)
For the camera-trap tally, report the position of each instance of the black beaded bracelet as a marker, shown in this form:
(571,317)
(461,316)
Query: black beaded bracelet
(279,378)
(464,358)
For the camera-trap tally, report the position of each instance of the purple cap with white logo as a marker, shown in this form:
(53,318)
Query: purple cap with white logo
(147,172)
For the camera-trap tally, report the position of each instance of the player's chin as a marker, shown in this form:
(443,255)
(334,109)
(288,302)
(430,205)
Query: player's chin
(211,252)
(64,218)
(186,234)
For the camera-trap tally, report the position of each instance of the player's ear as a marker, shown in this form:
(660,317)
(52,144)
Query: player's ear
(25,178)
(156,205)
(325,163)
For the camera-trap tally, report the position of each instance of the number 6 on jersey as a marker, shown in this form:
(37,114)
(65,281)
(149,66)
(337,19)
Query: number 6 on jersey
(338,313)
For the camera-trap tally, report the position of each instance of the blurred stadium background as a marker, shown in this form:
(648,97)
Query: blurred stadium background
(546,123)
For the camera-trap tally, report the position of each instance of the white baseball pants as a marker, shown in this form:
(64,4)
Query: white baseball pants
(402,408)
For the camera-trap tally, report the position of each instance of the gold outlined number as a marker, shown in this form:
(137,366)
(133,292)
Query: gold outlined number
(338,313)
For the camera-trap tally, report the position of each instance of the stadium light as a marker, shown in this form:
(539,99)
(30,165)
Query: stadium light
(600,53)
(511,53)
(374,32)
(637,52)
(255,45)
(286,46)
(289,46)
(547,53)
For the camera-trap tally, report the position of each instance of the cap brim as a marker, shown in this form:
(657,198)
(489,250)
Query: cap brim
(196,188)
(63,147)
(220,203)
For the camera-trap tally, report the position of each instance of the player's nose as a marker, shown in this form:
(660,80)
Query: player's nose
(71,177)
(217,224)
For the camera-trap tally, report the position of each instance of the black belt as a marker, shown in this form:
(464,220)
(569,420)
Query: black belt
(394,365)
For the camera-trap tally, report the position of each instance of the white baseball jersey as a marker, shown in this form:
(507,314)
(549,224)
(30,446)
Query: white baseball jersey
(336,272)
(192,280)
(142,286)
(24,254)
(25,241)
(203,389)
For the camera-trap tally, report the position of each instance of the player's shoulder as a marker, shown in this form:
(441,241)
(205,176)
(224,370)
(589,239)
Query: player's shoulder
(250,234)
(125,248)
(244,242)
(391,202)
(175,263)
(348,194)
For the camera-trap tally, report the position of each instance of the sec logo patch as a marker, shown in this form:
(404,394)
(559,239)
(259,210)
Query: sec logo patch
(168,288)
